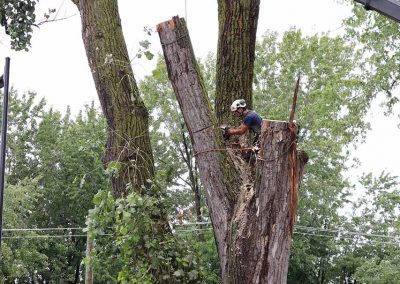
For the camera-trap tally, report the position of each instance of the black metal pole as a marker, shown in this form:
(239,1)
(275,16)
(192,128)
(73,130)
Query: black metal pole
(388,8)
(3,141)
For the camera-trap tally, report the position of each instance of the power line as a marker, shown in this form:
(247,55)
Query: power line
(344,232)
(299,229)
(366,241)
(348,238)
(41,229)
(313,229)
(50,236)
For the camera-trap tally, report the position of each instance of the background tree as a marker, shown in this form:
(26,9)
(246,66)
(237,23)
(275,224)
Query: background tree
(70,173)
(53,171)
(128,154)
(175,163)
(377,212)
(21,256)
(378,38)
(331,107)
(17,18)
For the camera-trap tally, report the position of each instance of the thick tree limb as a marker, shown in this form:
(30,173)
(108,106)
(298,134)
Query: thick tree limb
(235,55)
(214,167)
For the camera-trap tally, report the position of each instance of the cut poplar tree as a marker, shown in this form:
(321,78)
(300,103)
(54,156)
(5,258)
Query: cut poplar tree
(252,210)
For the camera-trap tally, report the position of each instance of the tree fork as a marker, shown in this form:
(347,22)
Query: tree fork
(253,221)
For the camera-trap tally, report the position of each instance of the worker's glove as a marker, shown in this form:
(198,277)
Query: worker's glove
(225,132)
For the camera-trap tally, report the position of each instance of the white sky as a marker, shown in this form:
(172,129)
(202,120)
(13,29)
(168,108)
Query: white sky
(56,66)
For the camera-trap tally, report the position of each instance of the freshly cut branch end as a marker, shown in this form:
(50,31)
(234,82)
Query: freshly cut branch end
(171,24)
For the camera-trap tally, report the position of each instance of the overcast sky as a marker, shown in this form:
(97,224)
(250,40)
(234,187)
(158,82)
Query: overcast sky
(56,66)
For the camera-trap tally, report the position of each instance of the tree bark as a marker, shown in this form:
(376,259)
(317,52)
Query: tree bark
(252,209)
(235,54)
(216,171)
(128,142)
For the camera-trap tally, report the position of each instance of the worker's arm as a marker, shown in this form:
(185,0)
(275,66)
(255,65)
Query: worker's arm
(239,130)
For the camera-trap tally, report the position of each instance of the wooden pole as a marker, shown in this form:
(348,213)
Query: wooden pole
(89,267)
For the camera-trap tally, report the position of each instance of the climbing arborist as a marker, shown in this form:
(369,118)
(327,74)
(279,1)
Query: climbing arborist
(251,122)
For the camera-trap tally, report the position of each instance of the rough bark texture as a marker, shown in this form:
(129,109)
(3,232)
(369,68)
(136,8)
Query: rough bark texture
(265,214)
(128,141)
(235,55)
(252,207)
(215,172)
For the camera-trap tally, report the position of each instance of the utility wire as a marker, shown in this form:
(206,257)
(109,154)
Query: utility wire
(365,241)
(41,229)
(313,229)
(339,233)
(49,236)
(344,232)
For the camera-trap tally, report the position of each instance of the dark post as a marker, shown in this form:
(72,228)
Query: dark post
(388,8)
(3,141)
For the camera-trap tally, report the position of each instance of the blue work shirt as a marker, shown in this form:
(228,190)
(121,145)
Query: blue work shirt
(253,121)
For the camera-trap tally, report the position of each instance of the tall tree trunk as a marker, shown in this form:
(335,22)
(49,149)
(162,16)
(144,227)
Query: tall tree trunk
(128,142)
(235,54)
(252,209)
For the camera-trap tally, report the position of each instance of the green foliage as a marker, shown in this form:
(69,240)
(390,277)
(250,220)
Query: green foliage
(377,271)
(53,171)
(174,161)
(20,256)
(23,124)
(378,38)
(375,257)
(201,239)
(331,105)
(69,155)
(121,224)
(17,18)
(145,45)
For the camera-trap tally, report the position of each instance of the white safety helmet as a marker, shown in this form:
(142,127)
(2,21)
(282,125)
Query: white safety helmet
(237,104)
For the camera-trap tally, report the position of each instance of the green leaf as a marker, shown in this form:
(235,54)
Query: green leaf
(148,55)
(123,230)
